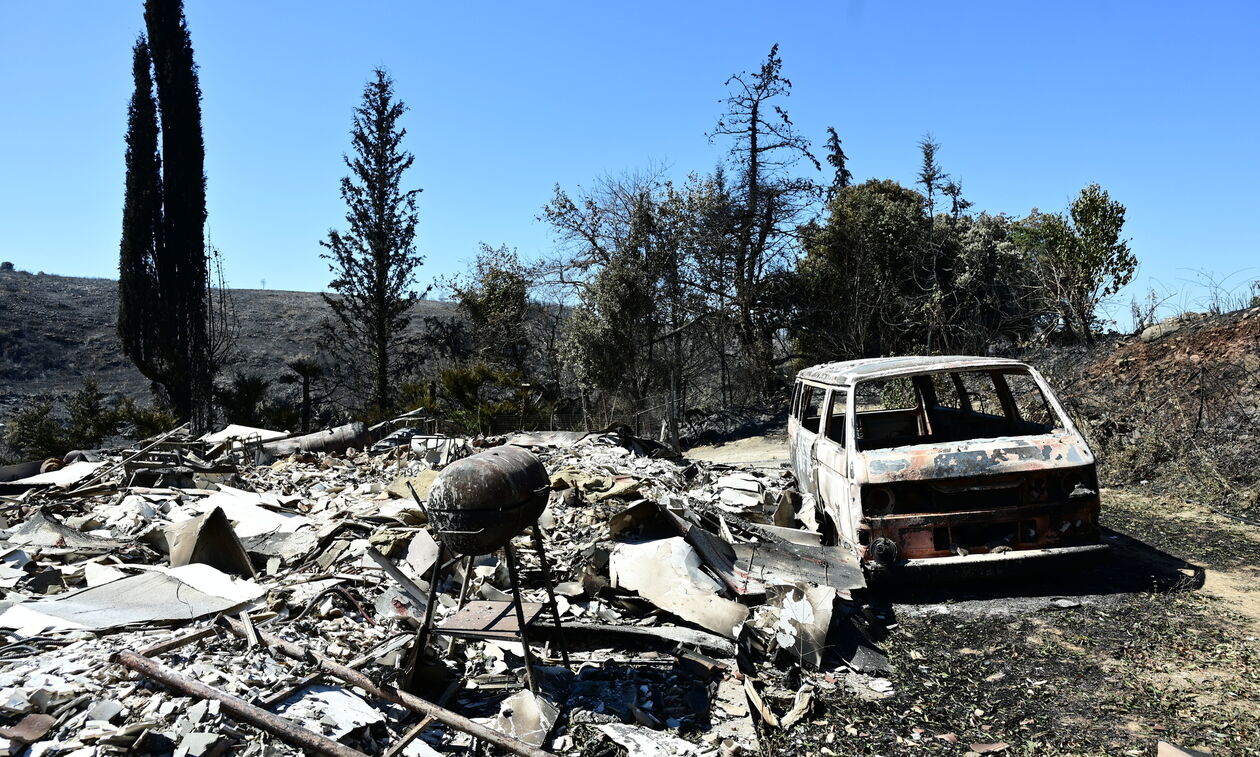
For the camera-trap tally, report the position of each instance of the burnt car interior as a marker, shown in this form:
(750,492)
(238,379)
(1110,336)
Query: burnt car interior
(950,406)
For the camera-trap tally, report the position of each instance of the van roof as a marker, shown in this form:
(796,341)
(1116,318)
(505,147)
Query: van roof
(848,372)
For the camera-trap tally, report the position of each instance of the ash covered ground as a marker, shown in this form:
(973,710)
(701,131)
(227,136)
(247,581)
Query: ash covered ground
(1157,643)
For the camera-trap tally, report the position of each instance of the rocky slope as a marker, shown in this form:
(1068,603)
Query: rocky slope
(57,330)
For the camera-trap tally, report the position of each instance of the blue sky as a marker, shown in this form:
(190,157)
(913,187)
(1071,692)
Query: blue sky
(1157,101)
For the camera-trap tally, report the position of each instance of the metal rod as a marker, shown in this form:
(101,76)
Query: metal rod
(397,696)
(283,693)
(520,616)
(411,587)
(463,599)
(416,657)
(162,647)
(307,741)
(551,594)
(419,728)
(463,587)
(251,635)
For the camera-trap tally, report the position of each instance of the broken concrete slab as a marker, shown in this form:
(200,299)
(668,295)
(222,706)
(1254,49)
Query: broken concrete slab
(422,482)
(331,710)
(45,530)
(248,515)
(29,729)
(1167,749)
(645,742)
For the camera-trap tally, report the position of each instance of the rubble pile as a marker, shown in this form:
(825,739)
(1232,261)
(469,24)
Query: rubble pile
(244,594)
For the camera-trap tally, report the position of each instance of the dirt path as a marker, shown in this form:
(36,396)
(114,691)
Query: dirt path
(1228,549)
(1239,590)
(769,451)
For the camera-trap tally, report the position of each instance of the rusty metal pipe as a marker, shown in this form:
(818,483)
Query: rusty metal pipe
(396,695)
(286,730)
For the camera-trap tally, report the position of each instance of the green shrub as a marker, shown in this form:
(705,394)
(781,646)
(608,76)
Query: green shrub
(143,422)
(34,434)
(242,400)
(91,420)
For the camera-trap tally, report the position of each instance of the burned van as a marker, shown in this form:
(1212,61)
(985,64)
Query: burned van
(918,462)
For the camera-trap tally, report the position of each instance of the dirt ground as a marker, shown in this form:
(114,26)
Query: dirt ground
(769,451)
(1159,641)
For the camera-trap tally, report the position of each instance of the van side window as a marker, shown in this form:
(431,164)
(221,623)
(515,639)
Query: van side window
(886,394)
(836,412)
(945,387)
(1035,415)
(796,400)
(982,395)
(811,407)
(887,413)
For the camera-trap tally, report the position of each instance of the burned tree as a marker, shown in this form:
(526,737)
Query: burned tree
(769,205)
(374,262)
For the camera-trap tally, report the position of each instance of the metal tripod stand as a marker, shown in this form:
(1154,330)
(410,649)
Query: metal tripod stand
(490,620)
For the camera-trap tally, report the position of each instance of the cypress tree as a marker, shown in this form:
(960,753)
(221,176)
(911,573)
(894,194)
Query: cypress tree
(142,226)
(839,161)
(163,271)
(185,276)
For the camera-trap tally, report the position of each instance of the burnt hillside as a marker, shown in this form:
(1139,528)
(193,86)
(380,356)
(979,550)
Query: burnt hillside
(1177,406)
(56,330)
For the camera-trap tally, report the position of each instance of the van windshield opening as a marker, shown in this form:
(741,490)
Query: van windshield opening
(951,406)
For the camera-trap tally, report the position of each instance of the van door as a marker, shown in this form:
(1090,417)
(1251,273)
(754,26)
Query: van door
(832,463)
(794,415)
(808,418)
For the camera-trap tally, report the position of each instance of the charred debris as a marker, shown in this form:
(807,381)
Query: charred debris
(354,591)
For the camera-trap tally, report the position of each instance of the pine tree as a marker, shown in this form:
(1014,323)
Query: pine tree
(839,161)
(374,262)
(930,174)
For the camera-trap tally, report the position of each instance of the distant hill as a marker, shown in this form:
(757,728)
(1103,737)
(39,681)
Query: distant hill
(57,330)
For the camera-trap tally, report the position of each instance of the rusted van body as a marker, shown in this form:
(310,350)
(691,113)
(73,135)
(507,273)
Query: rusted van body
(920,462)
